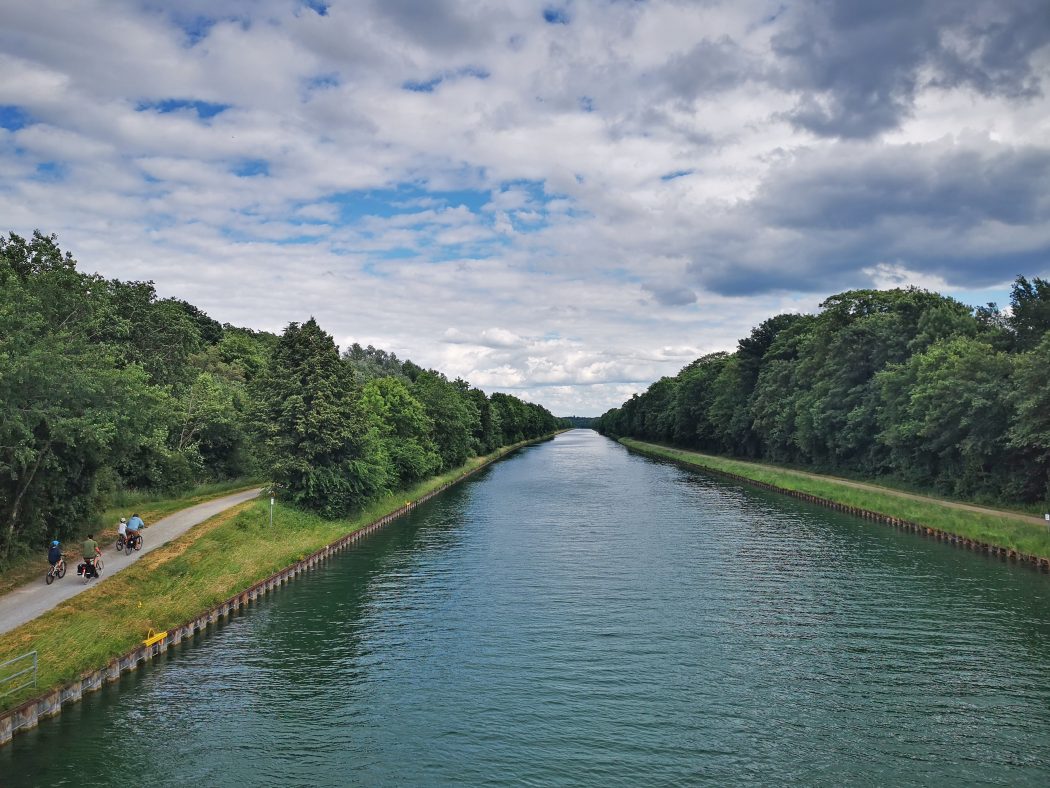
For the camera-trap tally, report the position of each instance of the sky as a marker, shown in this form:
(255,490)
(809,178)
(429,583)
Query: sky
(562,200)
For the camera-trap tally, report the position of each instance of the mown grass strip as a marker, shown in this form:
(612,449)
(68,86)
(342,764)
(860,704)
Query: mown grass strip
(1007,530)
(174,583)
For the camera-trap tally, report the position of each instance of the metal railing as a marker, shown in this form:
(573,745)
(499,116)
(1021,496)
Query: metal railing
(26,675)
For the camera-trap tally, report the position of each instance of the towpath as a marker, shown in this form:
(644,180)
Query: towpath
(969,507)
(32,599)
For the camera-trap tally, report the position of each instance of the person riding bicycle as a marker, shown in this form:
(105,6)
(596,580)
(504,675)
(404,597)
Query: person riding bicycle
(54,553)
(122,529)
(91,552)
(135,525)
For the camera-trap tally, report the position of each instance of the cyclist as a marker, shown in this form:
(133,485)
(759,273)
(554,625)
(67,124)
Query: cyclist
(122,529)
(91,552)
(54,553)
(135,525)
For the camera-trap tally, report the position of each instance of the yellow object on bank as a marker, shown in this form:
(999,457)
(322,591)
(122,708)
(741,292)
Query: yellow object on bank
(154,637)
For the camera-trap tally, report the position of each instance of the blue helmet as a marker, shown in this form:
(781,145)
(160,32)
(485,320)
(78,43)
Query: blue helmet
(54,543)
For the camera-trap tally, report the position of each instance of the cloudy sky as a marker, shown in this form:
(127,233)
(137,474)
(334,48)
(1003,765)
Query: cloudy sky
(562,200)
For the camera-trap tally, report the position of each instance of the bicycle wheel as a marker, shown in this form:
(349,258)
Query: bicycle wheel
(62,569)
(49,578)
(138,543)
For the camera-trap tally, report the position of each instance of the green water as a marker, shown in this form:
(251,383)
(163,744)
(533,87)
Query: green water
(578,615)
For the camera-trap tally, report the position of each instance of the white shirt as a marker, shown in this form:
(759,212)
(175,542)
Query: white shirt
(122,529)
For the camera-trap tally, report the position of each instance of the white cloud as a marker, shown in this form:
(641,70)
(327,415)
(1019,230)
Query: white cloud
(518,224)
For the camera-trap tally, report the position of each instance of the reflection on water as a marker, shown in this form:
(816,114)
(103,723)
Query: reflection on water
(580,615)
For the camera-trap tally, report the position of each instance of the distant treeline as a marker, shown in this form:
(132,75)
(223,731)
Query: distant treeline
(104,387)
(579,422)
(906,384)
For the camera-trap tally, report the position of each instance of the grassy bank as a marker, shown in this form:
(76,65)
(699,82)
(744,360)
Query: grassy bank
(27,568)
(1004,529)
(174,583)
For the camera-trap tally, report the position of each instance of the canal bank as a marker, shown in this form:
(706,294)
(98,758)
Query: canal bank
(583,615)
(1008,536)
(155,597)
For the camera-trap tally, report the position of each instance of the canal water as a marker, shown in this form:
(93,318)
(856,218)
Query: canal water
(579,615)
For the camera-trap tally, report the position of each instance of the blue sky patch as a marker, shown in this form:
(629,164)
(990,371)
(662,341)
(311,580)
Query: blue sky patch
(13,117)
(251,167)
(406,199)
(318,6)
(323,81)
(428,85)
(196,28)
(556,16)
(50,171)
(204,109)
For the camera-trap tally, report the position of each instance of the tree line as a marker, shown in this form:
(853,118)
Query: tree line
(106,387)
(906,384)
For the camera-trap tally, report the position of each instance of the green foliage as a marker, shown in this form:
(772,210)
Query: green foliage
(945,416)
(370,363)
(404,429)
(325,447)
(901,382)
(1030,427)
(454,417)
(106,390)
(1029,311)
(67,403)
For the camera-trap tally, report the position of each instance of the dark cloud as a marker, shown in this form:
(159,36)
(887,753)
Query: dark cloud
(953,186)
(438,24)
(709,67)
(670,295)
(792,271)
(858,66)
(996,58)
(972,215)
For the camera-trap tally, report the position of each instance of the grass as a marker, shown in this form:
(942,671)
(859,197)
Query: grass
(150,508)
(174,583)
(1004,529)
(26,568)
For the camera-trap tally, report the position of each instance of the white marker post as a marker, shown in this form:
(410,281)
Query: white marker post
(271,510)
(1047,518)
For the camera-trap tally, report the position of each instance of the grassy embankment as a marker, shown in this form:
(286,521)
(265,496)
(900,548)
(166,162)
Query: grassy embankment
(28,568)
(208,564)
(1016,531)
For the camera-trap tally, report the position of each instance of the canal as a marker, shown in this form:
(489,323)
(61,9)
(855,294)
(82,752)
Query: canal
(579,615)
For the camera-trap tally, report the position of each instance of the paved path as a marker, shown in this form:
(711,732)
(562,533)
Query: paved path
(969,507)
(31,600)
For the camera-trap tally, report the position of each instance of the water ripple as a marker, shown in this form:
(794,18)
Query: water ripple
(580,615)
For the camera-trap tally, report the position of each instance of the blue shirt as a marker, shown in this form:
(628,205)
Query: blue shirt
(135,524)
(53,554)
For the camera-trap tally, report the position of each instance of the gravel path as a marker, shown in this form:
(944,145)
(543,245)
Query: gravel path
(31,600)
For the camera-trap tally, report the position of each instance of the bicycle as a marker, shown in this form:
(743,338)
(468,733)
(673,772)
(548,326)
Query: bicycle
(98,569)
(128,543)
(58,570)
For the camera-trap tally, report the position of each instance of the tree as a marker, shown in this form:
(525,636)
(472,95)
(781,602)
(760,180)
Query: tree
(1029,311)
(946,413)
(1030,427)
(68,410)
(453,415)
(404,429)
(326,449)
